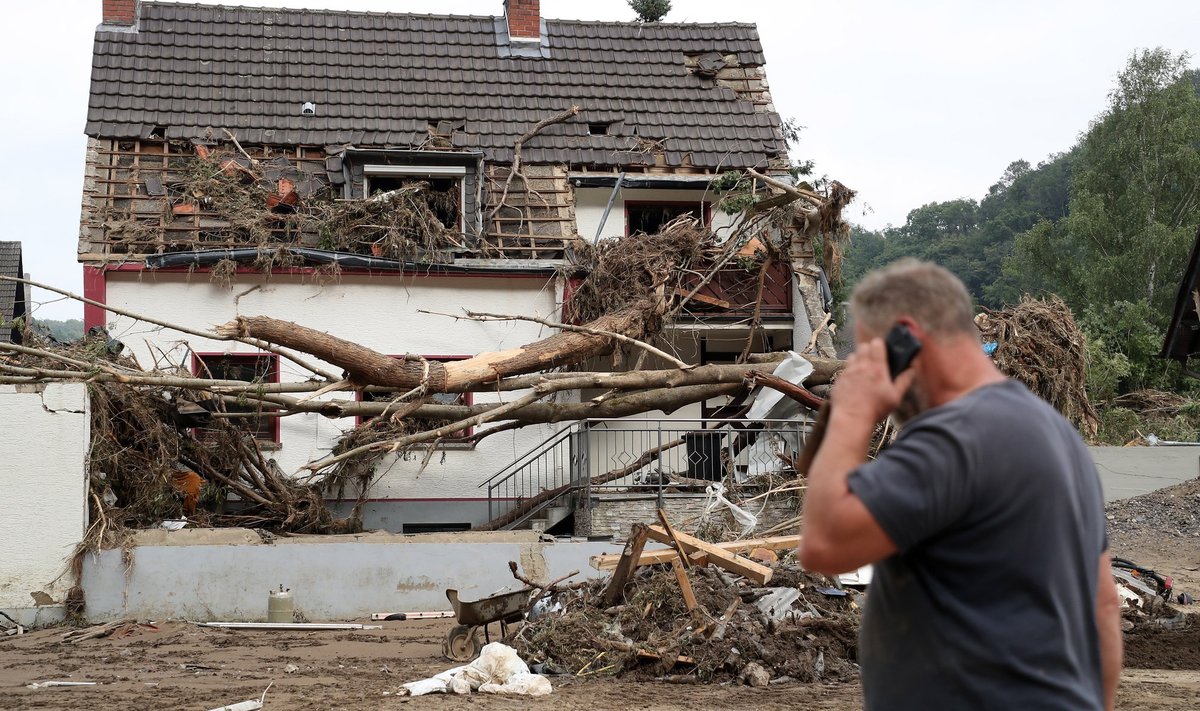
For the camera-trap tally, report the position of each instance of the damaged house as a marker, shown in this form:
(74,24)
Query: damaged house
(14,298)
(373,176)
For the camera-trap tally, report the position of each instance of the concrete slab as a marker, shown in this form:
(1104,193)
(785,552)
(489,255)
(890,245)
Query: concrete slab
(333,581)
(1130,471)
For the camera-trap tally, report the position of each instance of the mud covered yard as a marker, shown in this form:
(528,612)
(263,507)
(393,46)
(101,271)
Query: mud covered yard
(181,666)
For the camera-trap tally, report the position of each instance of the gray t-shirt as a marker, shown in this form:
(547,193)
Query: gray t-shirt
(995,506)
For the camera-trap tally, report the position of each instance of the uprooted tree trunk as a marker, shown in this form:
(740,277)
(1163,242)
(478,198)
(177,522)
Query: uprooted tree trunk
(367,367)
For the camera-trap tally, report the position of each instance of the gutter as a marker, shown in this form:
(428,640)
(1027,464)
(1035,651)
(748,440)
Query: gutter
(209,257)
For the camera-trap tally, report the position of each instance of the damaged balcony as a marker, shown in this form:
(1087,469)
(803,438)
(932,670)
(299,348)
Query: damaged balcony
(739,293)
(153,197)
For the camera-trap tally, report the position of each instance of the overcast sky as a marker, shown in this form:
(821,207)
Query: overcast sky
(908,102)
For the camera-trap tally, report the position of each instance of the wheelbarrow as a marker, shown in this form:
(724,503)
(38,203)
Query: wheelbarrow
(462,641)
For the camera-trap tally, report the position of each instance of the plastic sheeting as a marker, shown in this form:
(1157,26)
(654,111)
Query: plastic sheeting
(498,670)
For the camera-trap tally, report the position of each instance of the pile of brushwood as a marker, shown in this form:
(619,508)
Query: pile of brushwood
(798,627)
(1039,343)
(268,202)
(652,634)
(165,452)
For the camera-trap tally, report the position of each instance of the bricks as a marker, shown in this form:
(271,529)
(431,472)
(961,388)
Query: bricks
(524,18)
(120,12)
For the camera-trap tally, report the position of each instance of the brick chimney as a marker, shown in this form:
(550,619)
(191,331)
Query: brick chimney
(524,19)
(124,12)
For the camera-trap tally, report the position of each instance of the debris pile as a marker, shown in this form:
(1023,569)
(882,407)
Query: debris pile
(1173,512)
(223,197)
(1039,343)
(701,623)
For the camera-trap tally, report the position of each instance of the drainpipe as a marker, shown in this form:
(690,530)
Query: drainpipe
(611,199)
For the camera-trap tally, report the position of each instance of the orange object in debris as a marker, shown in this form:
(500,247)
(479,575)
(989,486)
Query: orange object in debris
(764,555)
(188,483)
(187,208)
(202,150)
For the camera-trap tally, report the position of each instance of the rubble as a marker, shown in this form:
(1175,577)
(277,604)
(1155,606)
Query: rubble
(1039,343)
(736,630)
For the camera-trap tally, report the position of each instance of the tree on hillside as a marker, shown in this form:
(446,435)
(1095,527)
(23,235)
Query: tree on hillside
(1135,200)
(650,10)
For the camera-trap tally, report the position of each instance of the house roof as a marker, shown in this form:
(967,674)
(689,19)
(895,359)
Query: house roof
(379,79)
(10,292)
(1183,332)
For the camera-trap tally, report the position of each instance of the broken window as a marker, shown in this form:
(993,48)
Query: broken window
(649,217)
(251,368)
(459,437)
(442,187)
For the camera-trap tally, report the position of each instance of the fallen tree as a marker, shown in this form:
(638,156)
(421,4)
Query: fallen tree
(630,290)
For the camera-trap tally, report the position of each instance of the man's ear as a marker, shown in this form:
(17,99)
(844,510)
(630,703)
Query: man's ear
(921,334)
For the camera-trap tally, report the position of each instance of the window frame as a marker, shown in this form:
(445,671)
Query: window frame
(199,371)
(468,400)
(416,172)
(705,207)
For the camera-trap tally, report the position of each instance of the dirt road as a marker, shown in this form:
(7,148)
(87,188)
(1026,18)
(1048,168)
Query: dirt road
(181,666)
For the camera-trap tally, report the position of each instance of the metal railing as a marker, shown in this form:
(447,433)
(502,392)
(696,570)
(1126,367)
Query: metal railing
(640,457)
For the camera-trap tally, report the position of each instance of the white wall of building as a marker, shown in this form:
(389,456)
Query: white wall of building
(590,203)
(43,493)
(380,312)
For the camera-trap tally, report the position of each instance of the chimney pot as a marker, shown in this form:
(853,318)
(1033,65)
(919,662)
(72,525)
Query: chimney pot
(121,12)
(524,19)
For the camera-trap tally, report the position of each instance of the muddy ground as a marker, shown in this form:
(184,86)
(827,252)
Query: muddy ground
(182,666)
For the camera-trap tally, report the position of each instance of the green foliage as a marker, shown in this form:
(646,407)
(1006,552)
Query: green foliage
(1107,226)
(62,331)
(650,10)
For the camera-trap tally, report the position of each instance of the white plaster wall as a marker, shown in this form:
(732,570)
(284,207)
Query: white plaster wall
(590,202)
(380,312)
(43,506)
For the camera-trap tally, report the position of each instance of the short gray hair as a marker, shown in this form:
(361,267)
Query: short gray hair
(930,294)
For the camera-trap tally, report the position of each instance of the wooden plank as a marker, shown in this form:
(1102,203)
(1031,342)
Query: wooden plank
(615,592)
(685,584)
(711,301)
(776,543)
(745,567)
(662,518)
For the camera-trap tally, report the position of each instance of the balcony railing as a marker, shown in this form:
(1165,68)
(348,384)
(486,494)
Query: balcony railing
(733,292)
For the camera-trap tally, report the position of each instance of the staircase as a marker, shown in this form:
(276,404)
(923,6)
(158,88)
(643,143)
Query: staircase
(554,470)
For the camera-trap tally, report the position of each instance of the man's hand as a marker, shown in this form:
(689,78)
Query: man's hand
(865,389)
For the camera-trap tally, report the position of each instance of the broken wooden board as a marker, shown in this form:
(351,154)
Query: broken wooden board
(629,558)
(721,558)
(777,543)
(685,585)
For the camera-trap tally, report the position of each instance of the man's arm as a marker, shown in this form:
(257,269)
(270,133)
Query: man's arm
(839,533)
(1108,624)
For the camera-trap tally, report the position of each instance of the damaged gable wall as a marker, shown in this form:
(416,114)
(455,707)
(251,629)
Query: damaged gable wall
(43,510)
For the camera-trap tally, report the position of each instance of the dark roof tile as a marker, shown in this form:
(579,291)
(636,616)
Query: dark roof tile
(378,77)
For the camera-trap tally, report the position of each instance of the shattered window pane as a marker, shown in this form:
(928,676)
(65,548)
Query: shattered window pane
(650,217)
(248,368)
(443,195)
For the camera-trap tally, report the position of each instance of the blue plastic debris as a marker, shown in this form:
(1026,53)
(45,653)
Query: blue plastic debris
(990,347)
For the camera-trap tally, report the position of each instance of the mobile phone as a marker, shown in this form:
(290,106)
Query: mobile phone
(902,347)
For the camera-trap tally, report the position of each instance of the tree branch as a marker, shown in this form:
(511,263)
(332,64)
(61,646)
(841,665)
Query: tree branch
(482,316)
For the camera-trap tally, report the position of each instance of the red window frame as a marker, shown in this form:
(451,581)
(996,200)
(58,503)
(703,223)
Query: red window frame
(705,206)
(199,369)
(467,399)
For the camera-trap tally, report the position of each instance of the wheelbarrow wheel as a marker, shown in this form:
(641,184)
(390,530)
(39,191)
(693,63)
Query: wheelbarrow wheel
(462,644)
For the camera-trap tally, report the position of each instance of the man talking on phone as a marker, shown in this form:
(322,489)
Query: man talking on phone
(984,519)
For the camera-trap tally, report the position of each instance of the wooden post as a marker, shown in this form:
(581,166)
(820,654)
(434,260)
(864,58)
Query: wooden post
(685,585)
(662,518)
(615,592)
